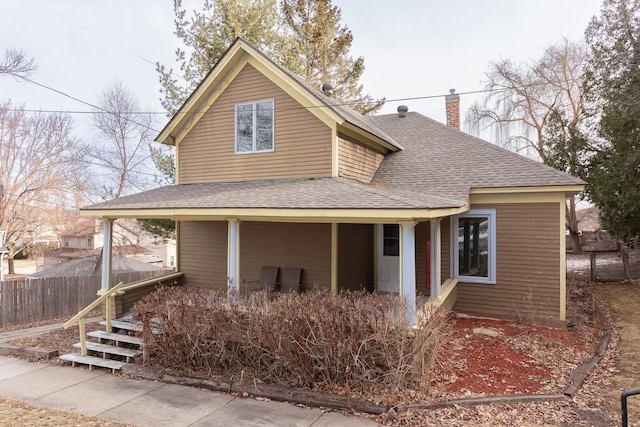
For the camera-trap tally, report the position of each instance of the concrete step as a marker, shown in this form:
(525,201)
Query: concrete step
(117,338)
(129,326)
(92,361)
(110,349)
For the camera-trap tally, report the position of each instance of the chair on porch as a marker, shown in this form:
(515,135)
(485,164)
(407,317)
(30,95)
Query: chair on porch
(268,279)
(290,279)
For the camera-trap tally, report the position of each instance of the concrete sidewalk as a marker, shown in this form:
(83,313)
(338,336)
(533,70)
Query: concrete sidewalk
(150,403)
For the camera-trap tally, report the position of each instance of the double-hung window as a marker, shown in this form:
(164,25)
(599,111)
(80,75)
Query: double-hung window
(474,234)
(254,127)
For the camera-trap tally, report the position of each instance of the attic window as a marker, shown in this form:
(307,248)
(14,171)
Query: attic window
(254,127)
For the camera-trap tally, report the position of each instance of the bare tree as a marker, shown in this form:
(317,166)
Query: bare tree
(15,63)
(122,152)
(539,109)
(40,164)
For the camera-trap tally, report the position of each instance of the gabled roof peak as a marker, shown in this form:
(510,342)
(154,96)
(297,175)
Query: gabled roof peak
(237,56)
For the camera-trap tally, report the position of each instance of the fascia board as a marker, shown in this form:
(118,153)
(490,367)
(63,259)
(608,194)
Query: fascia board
(365,137)
(571,189)
(370,216)
(294,90)
(204,96)
(221,76)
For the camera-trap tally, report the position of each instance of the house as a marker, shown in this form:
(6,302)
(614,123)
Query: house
(90,265)
(82,236)
(271,171)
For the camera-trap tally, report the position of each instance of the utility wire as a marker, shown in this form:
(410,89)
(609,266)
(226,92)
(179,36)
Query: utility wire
(345,104)
(90,162)
(100,109)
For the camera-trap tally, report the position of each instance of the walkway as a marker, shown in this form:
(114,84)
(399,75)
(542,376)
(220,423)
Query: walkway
(150,403)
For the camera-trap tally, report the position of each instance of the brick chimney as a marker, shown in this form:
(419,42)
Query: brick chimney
(452,104)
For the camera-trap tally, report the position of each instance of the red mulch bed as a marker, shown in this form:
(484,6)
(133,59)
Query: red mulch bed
(520,360)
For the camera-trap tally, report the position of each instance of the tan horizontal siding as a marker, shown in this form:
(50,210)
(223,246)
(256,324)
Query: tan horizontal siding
(357,161)
(307,246)
(527,266)
(445,245)
(355,256)
(422,237)
(302,143)
(203,253)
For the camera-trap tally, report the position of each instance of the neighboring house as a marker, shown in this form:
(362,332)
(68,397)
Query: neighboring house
(45,236)
(271,171)
(92,265)
(87,233)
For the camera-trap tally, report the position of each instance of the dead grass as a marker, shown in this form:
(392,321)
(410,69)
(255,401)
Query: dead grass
(16,413)
(622,299)
(58,339)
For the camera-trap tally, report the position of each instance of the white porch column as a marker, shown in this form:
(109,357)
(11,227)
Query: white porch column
(408,269)
(233,256)
(436,257)
(107,253)
(3,250)
(334,258)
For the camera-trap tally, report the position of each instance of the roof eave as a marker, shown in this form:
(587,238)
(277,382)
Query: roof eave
(324,215)
(357,132)
(239,53)
(567,189)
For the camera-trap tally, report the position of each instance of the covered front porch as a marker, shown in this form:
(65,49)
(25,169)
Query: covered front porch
(342,233)
(408,258)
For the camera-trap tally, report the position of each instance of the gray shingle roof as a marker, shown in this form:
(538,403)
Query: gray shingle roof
(435,168)
(443,161)
(315,193)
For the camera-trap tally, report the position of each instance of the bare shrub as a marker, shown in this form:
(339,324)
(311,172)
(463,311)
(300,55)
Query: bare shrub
(353,342)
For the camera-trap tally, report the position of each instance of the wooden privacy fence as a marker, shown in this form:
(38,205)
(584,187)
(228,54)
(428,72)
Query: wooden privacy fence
(34,300)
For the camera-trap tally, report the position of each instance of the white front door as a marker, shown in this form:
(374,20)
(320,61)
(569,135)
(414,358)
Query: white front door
(388,239)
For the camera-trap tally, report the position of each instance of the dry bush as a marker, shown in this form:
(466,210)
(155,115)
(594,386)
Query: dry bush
(356,341)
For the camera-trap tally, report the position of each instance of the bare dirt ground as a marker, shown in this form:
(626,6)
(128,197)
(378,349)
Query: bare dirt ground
(521,359)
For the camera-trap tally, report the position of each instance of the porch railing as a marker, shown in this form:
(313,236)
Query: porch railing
(107,296)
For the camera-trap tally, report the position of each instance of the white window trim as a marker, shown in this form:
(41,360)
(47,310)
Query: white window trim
(254,122)
(491,214)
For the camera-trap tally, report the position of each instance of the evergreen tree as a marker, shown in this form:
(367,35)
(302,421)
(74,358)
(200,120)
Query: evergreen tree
(307,39)
(614,173)
(164,161)
(208,34)
(320,51)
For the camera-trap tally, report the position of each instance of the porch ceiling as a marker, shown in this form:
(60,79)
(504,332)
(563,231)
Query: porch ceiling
(317,199)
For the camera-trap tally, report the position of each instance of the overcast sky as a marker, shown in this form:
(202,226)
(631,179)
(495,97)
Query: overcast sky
(412,48)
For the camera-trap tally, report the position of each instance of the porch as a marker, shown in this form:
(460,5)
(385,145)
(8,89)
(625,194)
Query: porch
(410,259)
